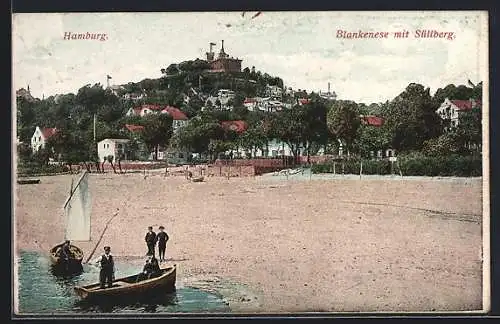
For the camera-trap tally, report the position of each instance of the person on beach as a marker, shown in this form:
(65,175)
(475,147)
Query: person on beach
(162,243)
(107,265)
(150,241)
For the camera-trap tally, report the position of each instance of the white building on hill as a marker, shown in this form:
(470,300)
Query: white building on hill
(451,109)
(40,137)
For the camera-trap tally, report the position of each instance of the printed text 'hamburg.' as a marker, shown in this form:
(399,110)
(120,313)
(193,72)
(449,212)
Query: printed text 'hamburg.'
(85,36)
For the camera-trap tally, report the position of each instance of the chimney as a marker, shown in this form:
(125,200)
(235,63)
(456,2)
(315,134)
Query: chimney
(222,49)
(328,87)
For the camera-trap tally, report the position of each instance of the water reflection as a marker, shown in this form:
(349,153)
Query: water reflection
(147,304)
(61,271)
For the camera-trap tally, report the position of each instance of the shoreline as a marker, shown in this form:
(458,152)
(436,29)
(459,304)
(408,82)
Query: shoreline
(300,246)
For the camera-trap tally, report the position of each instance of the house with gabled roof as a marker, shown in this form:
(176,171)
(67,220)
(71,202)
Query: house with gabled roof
(179,118)
(41,136)
(451,109)
(144,110)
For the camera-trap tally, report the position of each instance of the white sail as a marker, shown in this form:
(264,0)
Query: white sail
(77,210)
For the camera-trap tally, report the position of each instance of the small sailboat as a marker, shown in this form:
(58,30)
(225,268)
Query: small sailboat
(77,210)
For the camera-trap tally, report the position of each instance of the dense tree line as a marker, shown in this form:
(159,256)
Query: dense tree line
(411,122)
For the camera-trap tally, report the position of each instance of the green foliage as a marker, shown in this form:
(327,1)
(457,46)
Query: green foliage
(415,164)
(445,144)
(411,118)
(343,122)
(24,152)
(460,92)
(157,131)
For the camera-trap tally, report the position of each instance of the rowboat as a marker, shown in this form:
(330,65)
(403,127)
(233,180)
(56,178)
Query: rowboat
(198,179)
(77,253)
(28,181)
(128,287)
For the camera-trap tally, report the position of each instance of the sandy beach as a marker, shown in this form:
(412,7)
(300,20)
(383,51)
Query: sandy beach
(292,246)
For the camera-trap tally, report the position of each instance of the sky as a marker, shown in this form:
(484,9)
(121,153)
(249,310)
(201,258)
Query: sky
(300,47)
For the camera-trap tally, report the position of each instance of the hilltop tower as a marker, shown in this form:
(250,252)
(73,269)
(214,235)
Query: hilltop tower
(224,63)
(211,54)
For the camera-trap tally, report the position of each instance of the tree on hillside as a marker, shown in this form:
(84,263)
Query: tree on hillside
(92,98)
(300,127)
(411,118)
(445,144)
(452,92)
(371,139)
(25,119)
(343,122)
(254,138)
(196,136)
(157,131)
(469,130)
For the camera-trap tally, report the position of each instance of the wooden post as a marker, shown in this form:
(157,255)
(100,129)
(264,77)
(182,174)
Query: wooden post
(220,170)
(334,168)
(392,167)
(228,171)
(343,165)
(361,169)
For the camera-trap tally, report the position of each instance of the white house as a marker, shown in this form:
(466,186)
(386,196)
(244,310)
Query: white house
(134,96)
(263,104)
(251,103)
(224,96)
(451,109)
(112,146)
(274,91)
(144,110)
(40,137)
(179,119)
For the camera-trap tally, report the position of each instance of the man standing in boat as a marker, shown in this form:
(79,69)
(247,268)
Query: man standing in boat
(150,241)
(107,265)
(162,243)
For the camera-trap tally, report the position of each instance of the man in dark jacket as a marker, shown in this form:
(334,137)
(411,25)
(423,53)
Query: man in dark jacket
(162,238)
(107,264)
(150,241)
(65,251)
(151,269)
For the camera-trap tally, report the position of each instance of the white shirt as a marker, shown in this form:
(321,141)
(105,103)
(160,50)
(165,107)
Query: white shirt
(97,261)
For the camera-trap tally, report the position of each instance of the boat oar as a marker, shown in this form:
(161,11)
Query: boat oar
(102,235)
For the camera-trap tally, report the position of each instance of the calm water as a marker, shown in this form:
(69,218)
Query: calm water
(42,292)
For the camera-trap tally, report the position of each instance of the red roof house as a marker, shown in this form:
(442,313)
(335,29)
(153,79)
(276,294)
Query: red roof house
(238,126)
(304,101)
(176,113)
(464,105)
(48,132)
(249,100)
(41,136)
(134,128)
(372,120)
